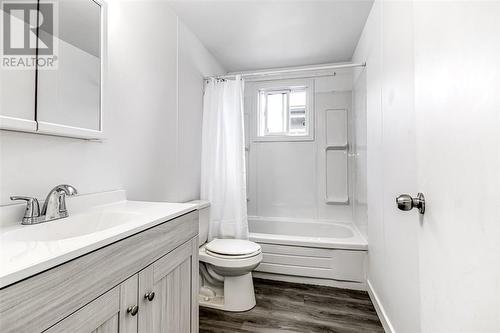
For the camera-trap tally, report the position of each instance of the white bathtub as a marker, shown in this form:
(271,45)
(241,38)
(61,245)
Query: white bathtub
(310,249)
(308,233)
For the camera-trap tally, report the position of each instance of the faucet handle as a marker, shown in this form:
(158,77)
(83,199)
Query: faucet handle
(32,206)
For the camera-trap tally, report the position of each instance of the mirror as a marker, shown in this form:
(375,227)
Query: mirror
(17,82)
(69,96)
(61,92)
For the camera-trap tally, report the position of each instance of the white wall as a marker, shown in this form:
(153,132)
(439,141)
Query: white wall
(152,121)
(194,63)
(457,94)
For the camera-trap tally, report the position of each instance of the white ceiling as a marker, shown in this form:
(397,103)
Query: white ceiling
(248,35)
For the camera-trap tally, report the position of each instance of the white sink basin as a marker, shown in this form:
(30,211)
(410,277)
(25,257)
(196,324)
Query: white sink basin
(73,226)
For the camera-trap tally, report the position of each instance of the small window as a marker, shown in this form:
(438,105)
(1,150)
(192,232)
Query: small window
(284,114)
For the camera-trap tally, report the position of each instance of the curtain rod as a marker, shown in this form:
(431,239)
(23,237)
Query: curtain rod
(286,70)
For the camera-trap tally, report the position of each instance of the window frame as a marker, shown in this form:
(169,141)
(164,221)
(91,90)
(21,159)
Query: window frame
(277,86)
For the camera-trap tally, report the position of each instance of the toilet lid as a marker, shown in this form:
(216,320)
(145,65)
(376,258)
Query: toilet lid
(232,247)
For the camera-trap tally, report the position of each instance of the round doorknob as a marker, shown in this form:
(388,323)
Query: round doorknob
(149,295)
(406,202)
(133,310)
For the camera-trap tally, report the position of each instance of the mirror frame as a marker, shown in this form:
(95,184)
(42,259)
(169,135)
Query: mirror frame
(40,127)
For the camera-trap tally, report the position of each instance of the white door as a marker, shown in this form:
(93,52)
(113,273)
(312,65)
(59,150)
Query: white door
(457,104)
(399,230)
(393,272)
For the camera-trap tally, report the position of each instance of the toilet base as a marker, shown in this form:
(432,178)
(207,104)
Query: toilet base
(237,294)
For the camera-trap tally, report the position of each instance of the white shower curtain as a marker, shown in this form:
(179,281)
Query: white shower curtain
(223,179)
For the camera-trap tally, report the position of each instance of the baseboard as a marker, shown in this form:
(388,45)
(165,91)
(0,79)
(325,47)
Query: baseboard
(384,319)
(308,280)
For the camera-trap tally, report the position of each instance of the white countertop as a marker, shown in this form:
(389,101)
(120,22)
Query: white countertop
(28,250)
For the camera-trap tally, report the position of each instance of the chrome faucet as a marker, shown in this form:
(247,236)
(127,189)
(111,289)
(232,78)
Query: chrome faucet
(54,207)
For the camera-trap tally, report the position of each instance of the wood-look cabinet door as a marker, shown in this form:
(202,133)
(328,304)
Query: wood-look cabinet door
(129,305)
(174,281)
(99,316)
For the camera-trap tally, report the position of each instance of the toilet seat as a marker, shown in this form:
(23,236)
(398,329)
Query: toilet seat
(229,261)
(225,256)
(232,248)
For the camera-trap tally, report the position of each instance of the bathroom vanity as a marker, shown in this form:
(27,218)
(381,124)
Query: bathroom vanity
(139,274)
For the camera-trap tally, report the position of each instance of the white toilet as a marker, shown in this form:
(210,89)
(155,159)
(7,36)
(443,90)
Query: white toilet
(226,269)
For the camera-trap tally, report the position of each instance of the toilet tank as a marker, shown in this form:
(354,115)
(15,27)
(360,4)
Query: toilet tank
(203,219)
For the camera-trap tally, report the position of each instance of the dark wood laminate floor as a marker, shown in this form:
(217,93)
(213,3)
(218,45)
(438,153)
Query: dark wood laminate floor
(291,307)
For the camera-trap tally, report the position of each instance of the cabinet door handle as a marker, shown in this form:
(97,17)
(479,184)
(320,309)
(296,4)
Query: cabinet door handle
(149,295)
(133,310)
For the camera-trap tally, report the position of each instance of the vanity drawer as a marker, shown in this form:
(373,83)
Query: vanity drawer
(35,304)
(102,312)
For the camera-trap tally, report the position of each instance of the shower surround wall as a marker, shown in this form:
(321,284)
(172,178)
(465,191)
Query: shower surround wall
(287,180)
